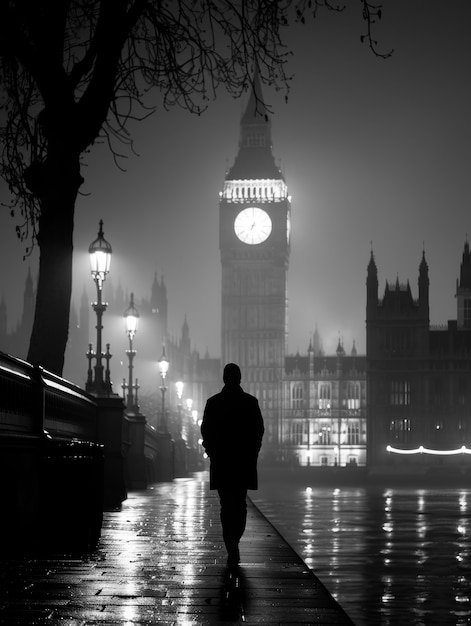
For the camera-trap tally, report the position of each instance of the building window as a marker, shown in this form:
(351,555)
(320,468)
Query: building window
(353,433)
(400,431)
(297,396)
(400,392)
(353,396)
(467,313)
(298,433)
(324,396)
(325,435)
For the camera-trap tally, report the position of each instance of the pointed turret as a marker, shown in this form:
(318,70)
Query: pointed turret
(255,159)
(159,308)
(371,287)
(28,304)
(463,289)
(424,286)
(340,349)
(185,342)
(317,343)
(465,269)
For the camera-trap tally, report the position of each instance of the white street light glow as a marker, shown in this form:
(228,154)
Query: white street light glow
(423,450)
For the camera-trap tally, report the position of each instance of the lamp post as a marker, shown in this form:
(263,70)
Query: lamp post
(163,368)
(179,385)
(131,317)
(100,257)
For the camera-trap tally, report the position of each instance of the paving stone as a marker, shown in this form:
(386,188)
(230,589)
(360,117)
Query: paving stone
(161,560)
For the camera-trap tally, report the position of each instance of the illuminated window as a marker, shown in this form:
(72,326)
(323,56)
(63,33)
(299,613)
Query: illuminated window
(353,433)
(297,396)
(400,392)
(298,433)
(353,396)
(400,431)
(325,435)
(324,396)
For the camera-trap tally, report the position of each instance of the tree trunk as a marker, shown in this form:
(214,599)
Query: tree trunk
(56,183)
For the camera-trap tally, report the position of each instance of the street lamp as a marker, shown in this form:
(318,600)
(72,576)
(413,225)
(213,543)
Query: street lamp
(131,317)
(163,367)
(100,257)
(179,385)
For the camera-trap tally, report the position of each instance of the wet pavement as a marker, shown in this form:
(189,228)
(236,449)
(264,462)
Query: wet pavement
(161,560)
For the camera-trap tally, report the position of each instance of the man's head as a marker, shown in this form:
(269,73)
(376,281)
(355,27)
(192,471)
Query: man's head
(231,374)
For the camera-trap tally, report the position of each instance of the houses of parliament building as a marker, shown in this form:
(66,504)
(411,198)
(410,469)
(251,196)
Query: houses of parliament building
(404,406)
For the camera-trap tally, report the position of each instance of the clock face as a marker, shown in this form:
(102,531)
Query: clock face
(252,225)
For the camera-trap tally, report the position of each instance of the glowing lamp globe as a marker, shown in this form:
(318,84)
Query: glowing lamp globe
(179,386)
(163,364)
(100,256)
(131,317)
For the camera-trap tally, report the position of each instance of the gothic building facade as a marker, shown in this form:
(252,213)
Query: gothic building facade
(324,409)
(16,341)
(419,376)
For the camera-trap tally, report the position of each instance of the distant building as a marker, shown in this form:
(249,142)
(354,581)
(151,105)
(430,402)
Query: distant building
(418,376)
(16,342)
(324,408)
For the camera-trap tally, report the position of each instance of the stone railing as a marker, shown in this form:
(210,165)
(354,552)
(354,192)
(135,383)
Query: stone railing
(52,460)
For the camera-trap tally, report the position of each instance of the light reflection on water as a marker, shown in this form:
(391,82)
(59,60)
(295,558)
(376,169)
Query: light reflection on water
(389,556)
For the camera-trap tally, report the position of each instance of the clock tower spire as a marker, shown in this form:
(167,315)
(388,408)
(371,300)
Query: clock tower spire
(254,213)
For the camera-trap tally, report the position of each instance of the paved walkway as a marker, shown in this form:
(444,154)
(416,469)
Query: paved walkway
(161,560)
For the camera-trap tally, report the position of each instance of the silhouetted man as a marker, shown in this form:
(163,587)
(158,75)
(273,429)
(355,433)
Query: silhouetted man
(232,431)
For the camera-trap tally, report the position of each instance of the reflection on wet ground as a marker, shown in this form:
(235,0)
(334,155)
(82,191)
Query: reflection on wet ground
(161,560)
(389,556)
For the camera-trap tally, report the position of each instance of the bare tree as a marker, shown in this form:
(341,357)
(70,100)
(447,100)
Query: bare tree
(74,71)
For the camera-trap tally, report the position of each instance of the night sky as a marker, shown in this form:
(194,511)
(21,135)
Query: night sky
(375,153)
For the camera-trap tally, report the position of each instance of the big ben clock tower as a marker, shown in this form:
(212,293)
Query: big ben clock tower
(254,217)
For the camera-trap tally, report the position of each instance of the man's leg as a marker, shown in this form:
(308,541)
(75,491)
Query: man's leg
(233,520)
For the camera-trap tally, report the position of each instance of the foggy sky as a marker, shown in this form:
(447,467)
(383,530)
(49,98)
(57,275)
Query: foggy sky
(372,150)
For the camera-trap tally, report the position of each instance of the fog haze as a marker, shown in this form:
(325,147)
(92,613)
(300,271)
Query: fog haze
(375,153)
